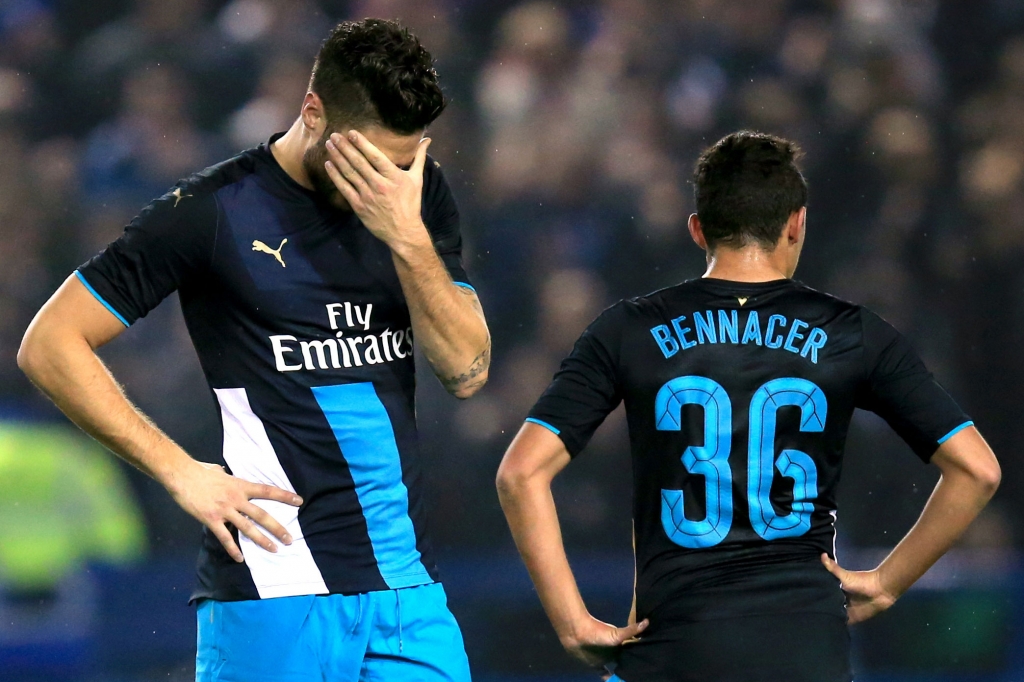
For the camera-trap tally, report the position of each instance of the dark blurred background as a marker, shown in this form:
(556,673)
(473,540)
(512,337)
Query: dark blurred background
(569,142)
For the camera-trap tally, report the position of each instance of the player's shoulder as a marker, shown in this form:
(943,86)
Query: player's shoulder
(226,172)
(628,312)
(636,308)
(867,317)
(867,328)
(824,298)
(192,198)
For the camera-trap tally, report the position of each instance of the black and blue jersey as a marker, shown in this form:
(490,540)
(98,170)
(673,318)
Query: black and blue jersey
(301,327)
(738,398)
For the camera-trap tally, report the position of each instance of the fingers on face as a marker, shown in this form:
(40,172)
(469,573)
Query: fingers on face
(359,163)
(344,165)
(347,190)
(380,162)
(421,157)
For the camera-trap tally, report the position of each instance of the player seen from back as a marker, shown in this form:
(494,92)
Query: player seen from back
(305,268)
(738,389)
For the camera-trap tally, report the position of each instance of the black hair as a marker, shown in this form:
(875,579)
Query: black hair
(746,187)
(376,71)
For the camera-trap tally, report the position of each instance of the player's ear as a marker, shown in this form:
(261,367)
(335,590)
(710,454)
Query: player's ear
(796,226)
(697,232)
(313,115)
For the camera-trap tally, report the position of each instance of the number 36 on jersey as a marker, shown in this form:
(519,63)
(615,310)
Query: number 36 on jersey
(711,460)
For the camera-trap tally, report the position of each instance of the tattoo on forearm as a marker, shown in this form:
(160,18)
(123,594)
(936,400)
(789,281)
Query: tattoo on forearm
(472,377)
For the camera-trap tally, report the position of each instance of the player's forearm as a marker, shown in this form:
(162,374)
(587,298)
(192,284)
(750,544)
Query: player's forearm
(66,368)
(530,510)
(447,320)
(957,499)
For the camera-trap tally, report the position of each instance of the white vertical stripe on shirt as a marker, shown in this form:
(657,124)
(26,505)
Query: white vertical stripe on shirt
(291,571)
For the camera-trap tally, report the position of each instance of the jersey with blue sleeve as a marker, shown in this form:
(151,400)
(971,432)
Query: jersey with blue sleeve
(303,332)
(738,398)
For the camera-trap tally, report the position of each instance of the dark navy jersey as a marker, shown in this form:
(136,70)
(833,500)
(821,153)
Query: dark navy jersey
(299,320)
(738,398)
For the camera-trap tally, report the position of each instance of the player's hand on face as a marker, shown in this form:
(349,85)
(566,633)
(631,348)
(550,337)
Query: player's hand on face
(386,198)
(596,643)
(866,596)
(217,499)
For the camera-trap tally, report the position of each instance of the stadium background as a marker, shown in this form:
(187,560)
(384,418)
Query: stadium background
(569,141)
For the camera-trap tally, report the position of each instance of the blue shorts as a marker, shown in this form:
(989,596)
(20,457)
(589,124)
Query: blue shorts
(394,635)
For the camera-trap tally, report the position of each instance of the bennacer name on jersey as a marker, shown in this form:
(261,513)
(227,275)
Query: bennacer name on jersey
(723,326)
(348,349)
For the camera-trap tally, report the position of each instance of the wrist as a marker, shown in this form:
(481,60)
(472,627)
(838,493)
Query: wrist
(411,241)
(573,629)
(888,587)
(174,475)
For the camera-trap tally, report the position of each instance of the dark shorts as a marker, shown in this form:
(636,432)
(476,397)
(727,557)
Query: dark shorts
(790,647)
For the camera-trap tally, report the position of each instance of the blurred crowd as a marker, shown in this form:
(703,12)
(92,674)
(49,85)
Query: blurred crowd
(569,142)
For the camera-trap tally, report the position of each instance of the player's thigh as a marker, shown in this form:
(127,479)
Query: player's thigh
(415,639)
(796,647)
(267,640)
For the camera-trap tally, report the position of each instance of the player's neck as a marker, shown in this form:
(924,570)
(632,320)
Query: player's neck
(288,151)
(748,264)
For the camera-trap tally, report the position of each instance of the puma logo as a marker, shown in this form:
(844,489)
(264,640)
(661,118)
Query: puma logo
(257,245)
(742,300)
(178,196)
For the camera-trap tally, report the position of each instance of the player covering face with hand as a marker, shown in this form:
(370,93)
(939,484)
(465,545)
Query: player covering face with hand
(739,388)
(306,267)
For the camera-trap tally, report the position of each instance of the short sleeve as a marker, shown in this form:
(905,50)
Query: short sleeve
(441,216)
(900,389)
(586,388)
(170,241)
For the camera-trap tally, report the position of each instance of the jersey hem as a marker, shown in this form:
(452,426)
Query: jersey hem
(403,580)
(667,622)
(955,431)
(292,589)
(232,593)
(540,422)
(81,278)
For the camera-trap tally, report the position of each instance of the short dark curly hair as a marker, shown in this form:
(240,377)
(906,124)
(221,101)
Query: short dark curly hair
(746,187)
(376,71)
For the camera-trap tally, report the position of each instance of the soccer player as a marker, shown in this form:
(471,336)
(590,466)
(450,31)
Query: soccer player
(305,268)
(739,388)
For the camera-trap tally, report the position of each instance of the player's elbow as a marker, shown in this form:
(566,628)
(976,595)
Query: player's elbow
(988,474)
(506,479)
(31,353)
(471,376)
(981,473)
(43,348)
(512,477)
(470,388)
